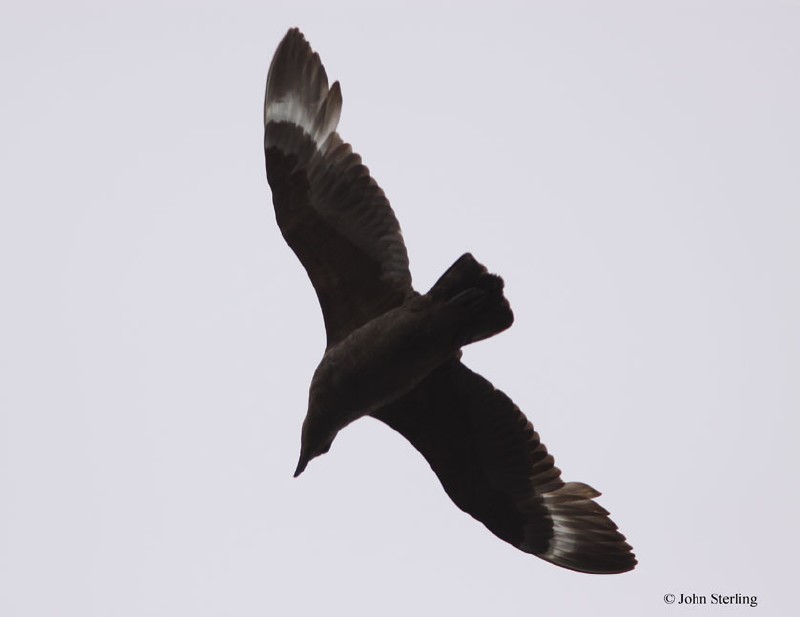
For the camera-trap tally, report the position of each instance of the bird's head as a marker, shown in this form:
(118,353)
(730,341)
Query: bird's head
(315,439)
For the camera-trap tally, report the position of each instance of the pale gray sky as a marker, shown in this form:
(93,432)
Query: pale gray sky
(629,168)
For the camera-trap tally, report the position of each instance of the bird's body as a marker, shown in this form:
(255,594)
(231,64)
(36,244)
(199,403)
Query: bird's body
(378,363)
(394,354)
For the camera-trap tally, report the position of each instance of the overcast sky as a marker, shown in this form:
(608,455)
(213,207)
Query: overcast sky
(629,168)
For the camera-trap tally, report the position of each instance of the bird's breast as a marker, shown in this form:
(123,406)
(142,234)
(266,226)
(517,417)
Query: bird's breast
(382,360)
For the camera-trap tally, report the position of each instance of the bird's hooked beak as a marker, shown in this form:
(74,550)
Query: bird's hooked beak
(301,464)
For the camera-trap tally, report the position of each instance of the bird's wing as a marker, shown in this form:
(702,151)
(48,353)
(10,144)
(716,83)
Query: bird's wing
(331,212)
(492,464)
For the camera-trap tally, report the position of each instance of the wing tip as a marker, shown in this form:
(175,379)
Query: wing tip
(297,89)
(584,538)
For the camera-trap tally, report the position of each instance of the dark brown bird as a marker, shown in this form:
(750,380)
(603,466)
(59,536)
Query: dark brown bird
(394,354)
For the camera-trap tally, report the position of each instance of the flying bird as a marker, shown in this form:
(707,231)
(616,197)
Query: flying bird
(395,354)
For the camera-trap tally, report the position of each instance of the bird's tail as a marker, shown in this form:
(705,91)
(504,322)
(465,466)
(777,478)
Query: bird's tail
(477,296)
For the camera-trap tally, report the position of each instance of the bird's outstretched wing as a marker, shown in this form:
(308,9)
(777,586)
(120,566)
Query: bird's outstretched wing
(492,464)
(332,214)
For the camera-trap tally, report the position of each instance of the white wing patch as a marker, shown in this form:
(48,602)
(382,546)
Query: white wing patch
(578,522)
(318,119)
